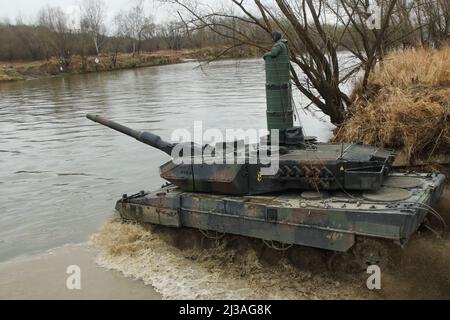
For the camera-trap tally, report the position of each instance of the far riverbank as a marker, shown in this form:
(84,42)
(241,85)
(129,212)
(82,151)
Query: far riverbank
(28,70)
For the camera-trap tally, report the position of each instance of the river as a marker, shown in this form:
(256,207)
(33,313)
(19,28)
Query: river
(60,174)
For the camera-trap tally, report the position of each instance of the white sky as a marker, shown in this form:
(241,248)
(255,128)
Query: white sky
(28,9)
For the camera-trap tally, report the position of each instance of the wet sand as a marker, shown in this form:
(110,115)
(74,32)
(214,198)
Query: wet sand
(44,277)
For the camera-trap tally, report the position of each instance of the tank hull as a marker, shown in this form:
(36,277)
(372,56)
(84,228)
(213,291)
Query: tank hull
(327,221)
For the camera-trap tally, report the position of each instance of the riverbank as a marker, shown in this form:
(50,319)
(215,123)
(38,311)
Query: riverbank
(18,71)
(406,107)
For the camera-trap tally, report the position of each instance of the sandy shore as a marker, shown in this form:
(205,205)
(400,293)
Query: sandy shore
(44,277)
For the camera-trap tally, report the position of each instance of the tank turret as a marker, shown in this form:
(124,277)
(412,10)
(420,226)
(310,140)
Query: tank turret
(318,167)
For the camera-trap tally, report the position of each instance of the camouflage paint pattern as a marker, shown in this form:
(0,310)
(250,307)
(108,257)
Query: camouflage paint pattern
(331,223)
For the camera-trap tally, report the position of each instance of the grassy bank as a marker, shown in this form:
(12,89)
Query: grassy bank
(16,71)
(406,107)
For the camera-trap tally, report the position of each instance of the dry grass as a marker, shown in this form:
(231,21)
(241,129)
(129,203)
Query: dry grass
(9,74)
(416,66)
(406,106)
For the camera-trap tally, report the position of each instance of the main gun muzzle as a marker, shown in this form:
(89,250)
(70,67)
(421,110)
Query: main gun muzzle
(148,138)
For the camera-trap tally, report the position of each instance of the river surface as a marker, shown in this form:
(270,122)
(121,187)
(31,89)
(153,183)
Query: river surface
(61,174)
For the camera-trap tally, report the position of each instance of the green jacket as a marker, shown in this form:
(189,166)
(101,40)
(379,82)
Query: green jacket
(279,52)
(278,64)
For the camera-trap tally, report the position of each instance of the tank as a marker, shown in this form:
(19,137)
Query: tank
(342,198)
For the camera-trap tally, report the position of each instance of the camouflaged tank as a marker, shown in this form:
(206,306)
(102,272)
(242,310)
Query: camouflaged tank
(286,210)
(338,197)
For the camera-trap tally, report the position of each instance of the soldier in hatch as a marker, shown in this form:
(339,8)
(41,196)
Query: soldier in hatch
(279,49)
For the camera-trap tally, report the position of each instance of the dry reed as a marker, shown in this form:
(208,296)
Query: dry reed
(406,106)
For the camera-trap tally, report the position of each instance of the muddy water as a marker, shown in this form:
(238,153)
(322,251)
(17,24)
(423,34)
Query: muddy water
(180,265)
(60,174)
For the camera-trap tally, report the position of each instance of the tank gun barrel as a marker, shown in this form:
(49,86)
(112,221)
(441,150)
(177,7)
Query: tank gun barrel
(148,138)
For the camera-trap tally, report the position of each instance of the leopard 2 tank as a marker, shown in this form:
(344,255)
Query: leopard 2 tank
(337,197)
(290,210)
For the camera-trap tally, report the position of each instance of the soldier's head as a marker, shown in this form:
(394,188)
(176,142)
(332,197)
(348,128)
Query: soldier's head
(276,36)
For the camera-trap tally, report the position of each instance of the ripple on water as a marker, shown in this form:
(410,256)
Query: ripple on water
(56,153)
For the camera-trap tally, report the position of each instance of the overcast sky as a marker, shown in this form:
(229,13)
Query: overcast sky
(28,9)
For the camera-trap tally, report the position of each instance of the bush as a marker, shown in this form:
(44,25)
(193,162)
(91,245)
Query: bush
(406,106)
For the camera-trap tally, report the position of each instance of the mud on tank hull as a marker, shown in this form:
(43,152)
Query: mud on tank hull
(331,222)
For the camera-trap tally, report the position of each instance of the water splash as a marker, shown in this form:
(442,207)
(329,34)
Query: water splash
(223,270)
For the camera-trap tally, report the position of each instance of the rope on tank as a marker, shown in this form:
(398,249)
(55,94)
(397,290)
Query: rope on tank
(422,206)
(431,210)
(217,236)
(294,107)
(278,246)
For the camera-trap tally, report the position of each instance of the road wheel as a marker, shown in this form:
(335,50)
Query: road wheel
(368,252)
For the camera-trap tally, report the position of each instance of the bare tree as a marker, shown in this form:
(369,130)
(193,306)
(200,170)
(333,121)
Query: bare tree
(55,20)
(433,17)
(19,20)
(315,30)
(92,21)
(173,33)
(368,41)
(135,24)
